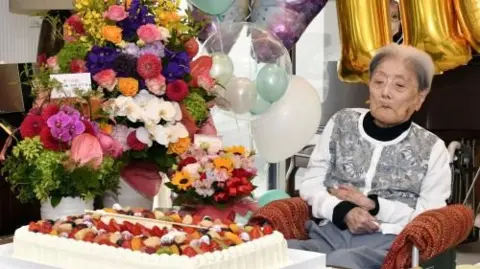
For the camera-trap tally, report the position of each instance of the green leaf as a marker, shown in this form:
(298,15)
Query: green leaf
(55,200)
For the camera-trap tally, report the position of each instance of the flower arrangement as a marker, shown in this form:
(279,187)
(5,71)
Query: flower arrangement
(210,174)
(153,94)
(62,154)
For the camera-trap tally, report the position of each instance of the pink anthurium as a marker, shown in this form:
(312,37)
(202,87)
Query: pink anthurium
(144,177)
(86,150)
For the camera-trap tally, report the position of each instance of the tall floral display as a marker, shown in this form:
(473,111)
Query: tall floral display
(145,90)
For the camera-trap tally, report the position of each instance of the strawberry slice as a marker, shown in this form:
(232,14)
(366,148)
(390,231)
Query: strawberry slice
(137,230)
(156,231)
(113,226)
(214,245)
(128,226)
(34,227)
(103,239)
(102,226)
(189,252)
(267,229)
(196,219)
(205,248)
(89,237)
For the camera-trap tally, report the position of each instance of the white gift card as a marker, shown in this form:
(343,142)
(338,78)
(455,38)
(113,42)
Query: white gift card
(71,84)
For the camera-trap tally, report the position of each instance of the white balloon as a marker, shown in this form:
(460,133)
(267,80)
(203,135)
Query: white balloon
(241,94)
(290,123)
(222,68)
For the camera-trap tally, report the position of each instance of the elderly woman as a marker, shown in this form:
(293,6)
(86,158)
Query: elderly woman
(373,171)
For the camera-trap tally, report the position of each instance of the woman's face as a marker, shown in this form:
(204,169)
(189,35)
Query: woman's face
(394,92)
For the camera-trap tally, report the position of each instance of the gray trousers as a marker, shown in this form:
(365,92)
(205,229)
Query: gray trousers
(343,248)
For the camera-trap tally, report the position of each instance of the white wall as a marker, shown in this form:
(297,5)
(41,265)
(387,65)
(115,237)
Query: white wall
(18,36)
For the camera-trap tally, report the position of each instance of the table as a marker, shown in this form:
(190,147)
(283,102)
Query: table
(300,260)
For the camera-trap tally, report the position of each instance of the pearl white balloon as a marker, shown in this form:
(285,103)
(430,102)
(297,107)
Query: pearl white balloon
(222,68)
(241,95)
(290,123)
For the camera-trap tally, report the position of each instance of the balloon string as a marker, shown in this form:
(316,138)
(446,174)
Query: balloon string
(219,29)
(250,10)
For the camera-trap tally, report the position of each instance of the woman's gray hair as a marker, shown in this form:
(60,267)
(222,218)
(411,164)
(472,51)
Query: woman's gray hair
(418,60)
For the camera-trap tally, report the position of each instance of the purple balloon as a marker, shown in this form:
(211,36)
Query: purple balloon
(238,12)
(287,19)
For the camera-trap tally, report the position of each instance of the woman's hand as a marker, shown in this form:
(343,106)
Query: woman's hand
(351,194)
(359,221)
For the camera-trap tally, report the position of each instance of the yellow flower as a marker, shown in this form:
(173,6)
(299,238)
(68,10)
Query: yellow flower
(106,128)
(128,86)
(179,147)
(112,33)
(182,180)
(237,150)
(223,163)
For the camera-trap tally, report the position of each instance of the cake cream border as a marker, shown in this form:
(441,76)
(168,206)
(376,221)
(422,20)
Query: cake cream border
(127,255)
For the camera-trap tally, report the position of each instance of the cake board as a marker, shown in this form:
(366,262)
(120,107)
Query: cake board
(300,260)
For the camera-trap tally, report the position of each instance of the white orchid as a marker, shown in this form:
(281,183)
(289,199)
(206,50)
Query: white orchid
(143,97)
(120,105)
(159,134)
(126,107)
(158,109)
(178,111)
(144,136)
(175,132)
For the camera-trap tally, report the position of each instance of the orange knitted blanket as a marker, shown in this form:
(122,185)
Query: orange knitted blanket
(432,232)
(287,216)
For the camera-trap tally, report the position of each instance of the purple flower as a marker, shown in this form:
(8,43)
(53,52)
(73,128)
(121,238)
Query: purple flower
(138,16)
(70,111)
(65,127)
(126,65)
(155,48)
(131,49)
(178,65)
(100,58)
(59,120)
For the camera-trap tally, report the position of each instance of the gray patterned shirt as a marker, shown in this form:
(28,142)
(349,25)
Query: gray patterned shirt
(410,174)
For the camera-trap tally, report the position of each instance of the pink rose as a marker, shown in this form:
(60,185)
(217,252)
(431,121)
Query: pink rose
(156,85)
(110,146)
(149,33)
(52,64)
(86,150)
(106,79)
(206,81)
(116,13)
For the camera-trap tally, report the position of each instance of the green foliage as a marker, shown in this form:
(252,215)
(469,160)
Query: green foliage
(38,174)
(196,106)
(69,52)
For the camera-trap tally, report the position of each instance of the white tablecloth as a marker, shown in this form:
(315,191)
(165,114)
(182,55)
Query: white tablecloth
(300,260)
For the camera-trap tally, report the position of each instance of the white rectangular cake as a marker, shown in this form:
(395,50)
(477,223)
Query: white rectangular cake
(61,249)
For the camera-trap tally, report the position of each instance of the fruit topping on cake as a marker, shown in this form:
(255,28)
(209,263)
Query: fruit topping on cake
(181,238)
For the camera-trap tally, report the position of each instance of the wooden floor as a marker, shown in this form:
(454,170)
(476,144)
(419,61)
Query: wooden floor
(469,253)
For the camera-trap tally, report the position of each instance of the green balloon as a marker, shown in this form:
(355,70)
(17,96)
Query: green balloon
(261,106)
(272,82)
(213,7)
